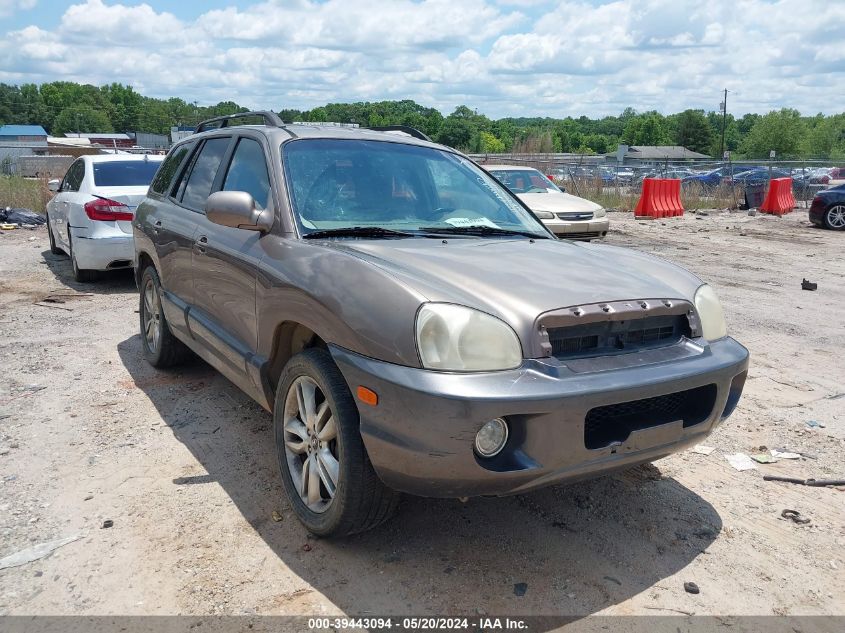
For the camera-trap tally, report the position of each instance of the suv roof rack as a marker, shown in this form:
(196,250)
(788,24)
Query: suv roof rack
(271,119)
(407,129)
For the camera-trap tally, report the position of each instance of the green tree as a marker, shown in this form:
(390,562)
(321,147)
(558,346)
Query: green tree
(567,136)
(490,144)
(599,143)
(456,132)
(646,129)
(826,139)
(693,131)
(123,106)
(782,131)
(461,129)
(81,118)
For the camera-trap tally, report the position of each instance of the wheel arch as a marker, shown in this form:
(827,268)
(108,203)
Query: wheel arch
(143,260)
(289,338)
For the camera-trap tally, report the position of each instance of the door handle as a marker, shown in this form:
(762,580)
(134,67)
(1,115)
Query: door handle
(202,242)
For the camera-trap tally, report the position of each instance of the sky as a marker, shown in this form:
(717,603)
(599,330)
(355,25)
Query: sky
(500,57)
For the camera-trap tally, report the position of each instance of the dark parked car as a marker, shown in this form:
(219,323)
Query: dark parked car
(759,175)
(383,297)
(678,173)
(828,208)
(711,178)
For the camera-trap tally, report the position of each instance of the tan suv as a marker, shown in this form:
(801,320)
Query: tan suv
(380,295)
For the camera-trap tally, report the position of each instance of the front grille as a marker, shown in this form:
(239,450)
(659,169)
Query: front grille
(584,235)
(613,423)
(616,337)
(575,215)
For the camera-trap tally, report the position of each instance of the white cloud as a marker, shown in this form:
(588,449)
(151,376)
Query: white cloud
(8,7)
(502,57)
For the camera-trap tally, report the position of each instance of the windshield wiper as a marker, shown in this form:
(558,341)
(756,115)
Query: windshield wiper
(357,231)
(480,230)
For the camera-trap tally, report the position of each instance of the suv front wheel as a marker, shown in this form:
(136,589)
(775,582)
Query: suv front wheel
(324,465)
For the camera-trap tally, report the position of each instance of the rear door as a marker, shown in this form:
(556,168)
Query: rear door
(170,219)
(225,263)
(68,194)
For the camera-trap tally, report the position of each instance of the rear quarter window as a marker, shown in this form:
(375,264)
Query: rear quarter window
(164,176)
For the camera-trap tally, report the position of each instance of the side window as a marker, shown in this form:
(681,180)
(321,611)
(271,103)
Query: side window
(248,172)
(164,175)
(74,176)
(201,178)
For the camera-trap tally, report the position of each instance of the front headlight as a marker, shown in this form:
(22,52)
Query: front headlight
(710,313)
(455,338)
(545,215)
(600,213)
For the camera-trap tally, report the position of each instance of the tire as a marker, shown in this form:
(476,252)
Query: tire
(82,275)
(161,348)
(331,441)
(834,218)
(55,250)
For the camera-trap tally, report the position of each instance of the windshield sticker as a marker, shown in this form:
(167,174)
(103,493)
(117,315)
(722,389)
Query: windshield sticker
(471,222)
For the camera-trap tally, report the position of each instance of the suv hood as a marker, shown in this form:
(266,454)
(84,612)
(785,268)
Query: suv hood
(517,280)
(557,202)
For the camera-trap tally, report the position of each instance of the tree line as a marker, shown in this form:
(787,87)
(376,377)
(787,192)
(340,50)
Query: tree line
(64,106)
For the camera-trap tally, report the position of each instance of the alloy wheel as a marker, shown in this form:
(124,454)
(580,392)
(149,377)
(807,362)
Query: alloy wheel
(311,450)
(152,316)
(836,216)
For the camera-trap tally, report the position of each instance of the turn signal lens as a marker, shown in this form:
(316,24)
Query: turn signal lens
(367,396)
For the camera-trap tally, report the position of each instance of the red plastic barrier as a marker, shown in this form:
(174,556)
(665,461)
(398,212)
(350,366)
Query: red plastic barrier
(644,204)
(660,198)
(779,199)
(675,196)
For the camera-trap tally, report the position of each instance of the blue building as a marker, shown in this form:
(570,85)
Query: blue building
(23,136)
(20,140)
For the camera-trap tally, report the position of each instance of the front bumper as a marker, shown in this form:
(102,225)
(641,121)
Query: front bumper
(420,435)
(816,213)
(579,230)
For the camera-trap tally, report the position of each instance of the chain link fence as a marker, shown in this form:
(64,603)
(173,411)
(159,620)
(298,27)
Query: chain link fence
(704,184)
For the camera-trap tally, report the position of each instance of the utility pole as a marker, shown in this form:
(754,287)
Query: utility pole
(724,123)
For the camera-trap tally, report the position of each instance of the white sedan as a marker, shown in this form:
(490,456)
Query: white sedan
(90,217)
(567,216)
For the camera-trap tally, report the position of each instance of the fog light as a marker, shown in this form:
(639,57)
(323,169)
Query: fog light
(491,439)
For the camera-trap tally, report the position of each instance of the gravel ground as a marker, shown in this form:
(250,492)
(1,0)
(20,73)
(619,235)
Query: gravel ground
(183,466)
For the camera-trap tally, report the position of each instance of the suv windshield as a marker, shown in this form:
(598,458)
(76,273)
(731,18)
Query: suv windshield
(345,184)
(125,173)
(524,180)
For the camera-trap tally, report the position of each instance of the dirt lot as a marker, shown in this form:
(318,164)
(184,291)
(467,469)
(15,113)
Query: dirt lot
(184,466)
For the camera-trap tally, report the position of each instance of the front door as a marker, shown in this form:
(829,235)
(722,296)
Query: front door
(225,264)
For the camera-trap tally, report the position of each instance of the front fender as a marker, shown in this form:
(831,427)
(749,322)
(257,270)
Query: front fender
(345,300)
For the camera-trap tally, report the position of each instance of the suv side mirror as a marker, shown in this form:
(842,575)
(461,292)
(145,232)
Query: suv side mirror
(53,185)
(236,209)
